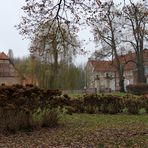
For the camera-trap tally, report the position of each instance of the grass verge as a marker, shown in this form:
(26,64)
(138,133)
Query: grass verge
(107,130)
(88,131)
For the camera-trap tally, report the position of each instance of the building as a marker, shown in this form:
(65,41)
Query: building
(103,76)
(100,75)
(9,75)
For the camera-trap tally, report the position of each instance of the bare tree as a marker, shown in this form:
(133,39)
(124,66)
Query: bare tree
(107,32)
(56,44)
(136,25)
(52,27)
(57,12)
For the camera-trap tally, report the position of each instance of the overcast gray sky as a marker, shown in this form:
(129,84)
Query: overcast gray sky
(10,14)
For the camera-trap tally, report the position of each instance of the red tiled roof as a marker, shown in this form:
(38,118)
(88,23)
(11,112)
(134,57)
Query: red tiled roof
(127,59)
(130,66)
(3,56)
(146,53)
(102,65)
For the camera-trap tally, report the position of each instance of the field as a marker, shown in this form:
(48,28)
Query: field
(83,130)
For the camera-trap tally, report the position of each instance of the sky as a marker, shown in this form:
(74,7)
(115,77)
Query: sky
(10,15)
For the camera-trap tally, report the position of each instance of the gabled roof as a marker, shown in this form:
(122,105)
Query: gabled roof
(146,53)
(3,56)
(102,65)
(128,60)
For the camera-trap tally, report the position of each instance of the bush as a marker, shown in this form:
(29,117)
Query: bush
(92,100)
(77,105)
(91,109)
(45,118)
(145,102)
(50,117)
(133,105)
(68,110)
(13,120)
(111,104)
(29,107)
(142,111)
(138,89)
(19,105)
(91,103)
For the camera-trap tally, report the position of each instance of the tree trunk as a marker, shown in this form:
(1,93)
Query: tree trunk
(120,69)
(121,79)
(121,84)
(55,66)
(140,68)
(140,72)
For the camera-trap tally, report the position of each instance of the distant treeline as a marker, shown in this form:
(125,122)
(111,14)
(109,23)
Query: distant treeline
(69,75)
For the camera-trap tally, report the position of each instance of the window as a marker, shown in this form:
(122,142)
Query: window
(4,69)
(146,70)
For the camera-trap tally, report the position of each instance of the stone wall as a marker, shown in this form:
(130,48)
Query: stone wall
(10,80)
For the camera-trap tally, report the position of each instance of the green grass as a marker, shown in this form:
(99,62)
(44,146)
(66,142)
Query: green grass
(112,93)
(115,93)
(105,130)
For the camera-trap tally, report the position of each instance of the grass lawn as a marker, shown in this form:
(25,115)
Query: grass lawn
(120,94)
(88,131)
(108,130)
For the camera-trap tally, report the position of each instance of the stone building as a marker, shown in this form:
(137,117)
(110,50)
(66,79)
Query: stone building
(100,75)
(9,75)
(103,76)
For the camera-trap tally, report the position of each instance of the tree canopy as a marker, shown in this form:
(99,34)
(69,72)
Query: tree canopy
(117,28)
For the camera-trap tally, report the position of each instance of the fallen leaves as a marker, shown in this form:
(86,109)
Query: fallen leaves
(83,130)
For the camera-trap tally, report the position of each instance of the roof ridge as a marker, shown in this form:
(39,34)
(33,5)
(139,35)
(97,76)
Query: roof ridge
(3,56)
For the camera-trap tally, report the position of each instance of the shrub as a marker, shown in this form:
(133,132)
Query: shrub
(45,118)
(92,100)
(91,103)
(18,103)
(142,111)
(77,105)
(125,110)
(138,89)
(13,120)
(111,104)
(91,109)
(50,117)
(133,105)
(145,102)
(68,110)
